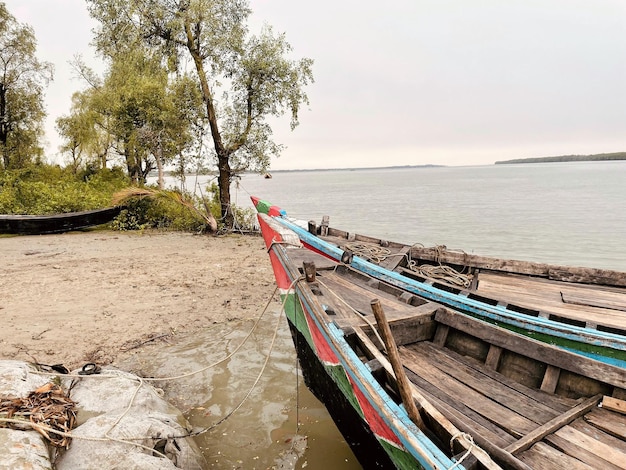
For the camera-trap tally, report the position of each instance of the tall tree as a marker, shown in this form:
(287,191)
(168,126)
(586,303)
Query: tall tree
(22,81)
(254,75)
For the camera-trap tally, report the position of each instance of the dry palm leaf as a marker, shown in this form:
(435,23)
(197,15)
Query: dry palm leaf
(48,407)
(130,193)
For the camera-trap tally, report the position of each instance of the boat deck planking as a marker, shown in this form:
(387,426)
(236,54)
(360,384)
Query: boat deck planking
(545,295)
(541,429)
(581,304)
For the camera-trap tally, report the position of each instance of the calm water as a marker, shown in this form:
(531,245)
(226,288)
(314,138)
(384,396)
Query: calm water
(568,213)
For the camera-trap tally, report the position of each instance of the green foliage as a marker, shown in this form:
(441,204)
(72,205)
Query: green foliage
(43,189)
(22,82)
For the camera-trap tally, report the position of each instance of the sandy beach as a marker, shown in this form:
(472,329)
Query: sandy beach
(99,296)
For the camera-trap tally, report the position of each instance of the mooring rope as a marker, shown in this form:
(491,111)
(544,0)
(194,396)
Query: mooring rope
(142,380)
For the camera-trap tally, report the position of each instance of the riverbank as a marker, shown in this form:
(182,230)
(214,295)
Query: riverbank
(100,296)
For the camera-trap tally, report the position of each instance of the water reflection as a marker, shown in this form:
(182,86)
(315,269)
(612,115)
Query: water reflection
(263,433)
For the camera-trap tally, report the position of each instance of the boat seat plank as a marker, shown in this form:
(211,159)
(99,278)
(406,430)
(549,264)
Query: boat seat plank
(609,422)
(582,454)
(459,392)
(459,414)
(359,297)
(593,444)
(545,295)
(555,402)
(542,455)
(496,390)
(589,429)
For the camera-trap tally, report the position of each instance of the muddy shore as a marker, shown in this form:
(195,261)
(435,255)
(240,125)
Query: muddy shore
(100,296)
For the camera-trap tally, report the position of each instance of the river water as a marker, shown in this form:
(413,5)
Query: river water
(566,213)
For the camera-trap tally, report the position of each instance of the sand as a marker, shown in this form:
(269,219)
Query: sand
(100,296)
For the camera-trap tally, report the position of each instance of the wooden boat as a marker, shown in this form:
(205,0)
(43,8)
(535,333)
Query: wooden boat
(441,389)
(56,223)
(578,309)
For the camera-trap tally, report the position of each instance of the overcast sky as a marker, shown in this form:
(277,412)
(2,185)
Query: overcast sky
(412,82)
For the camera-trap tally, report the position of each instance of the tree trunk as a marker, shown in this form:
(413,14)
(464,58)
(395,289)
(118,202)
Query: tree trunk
(223,179)
(4,126)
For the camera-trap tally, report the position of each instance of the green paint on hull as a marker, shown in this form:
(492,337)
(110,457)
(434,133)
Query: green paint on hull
(401,459)
(295,314)
(293,309)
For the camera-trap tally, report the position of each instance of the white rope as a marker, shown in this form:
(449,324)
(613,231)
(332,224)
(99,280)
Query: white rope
(470,440)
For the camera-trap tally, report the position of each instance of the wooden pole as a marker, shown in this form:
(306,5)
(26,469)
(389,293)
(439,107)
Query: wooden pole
(394,357)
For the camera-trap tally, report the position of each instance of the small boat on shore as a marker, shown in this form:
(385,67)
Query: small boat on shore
(414,383)
(56,223)
(578,309)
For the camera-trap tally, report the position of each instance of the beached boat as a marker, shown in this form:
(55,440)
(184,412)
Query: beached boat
(412,383)
(578,309)
(56,223)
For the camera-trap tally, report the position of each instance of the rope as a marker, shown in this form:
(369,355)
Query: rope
(462,435)
(142,380)
(441,271)
(370,252)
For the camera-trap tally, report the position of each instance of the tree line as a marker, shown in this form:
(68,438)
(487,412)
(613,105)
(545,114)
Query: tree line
(186,85)
(569,158)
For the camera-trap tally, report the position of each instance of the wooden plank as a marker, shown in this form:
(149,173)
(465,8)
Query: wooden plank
(589,302)
(554,424)
(594,446)
(543,295)
(542,456)
(493,357)
(609,422)
(394,358)
(427,407)
(555,402)
(459,394)
(488,385)
(534,349)
(441,334)
(584,426)
(550,379)
(577,452)
(613,404)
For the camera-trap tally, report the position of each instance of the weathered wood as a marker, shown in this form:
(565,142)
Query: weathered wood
(392,351)
(554,424)
(437,417)
(534,349)
(613,404)
(585,301)
(593,445)
(550,379)
(441,334)
(309,271)
(609,422)
(577,452)
(542,456)
(560,273)
(493,357)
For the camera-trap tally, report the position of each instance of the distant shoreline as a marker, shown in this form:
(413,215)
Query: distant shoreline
(568,158)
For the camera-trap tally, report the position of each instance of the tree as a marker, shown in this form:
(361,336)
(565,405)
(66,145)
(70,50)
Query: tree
(256,78)
(22,81)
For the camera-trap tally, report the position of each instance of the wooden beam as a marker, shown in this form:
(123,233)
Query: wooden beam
(394,357)
(553,425)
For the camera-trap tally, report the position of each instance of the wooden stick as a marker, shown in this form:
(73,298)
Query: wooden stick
(398,370)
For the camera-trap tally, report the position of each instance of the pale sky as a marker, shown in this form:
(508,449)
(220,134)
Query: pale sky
(413,82)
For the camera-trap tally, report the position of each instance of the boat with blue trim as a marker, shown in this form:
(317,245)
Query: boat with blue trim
(579,309)
(415,383)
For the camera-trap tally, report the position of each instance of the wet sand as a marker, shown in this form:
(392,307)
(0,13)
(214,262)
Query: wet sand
(100,296)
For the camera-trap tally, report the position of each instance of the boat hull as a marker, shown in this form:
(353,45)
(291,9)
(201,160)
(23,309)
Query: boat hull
(57,223)
(358,435)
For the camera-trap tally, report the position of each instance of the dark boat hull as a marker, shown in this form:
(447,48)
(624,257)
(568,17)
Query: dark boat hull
(57,223)
(356,432)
